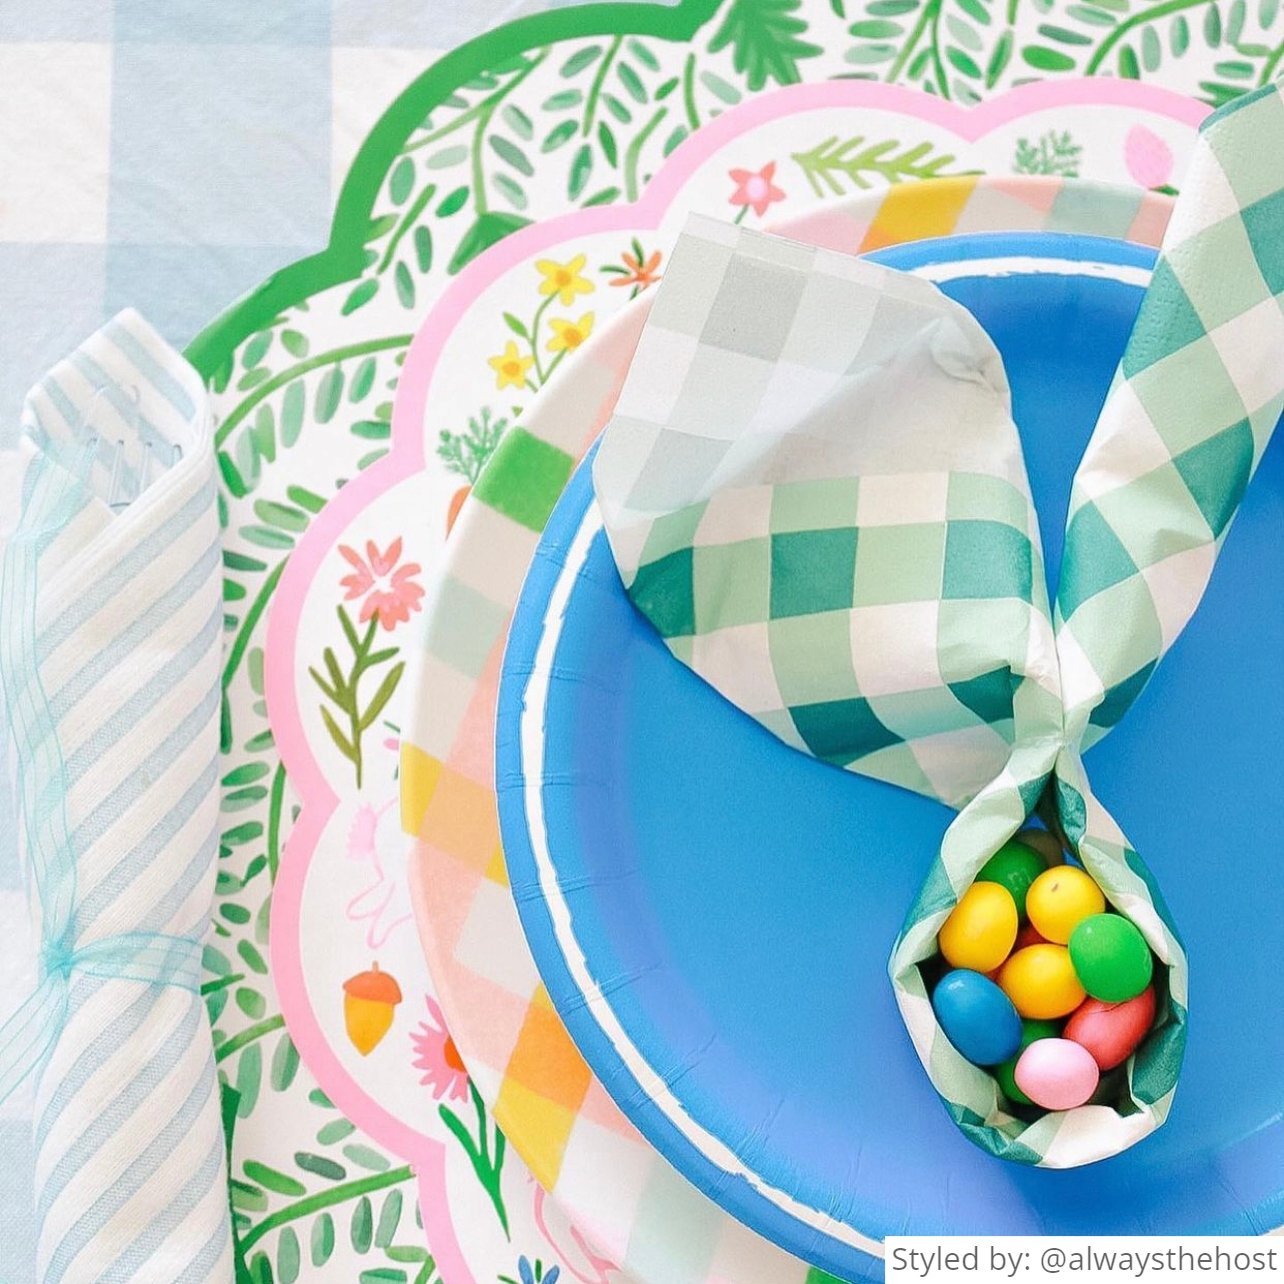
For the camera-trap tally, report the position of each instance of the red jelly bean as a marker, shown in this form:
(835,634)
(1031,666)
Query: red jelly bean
(1112,1031)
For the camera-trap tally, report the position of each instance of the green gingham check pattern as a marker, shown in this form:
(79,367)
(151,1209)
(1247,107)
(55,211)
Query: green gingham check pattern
(813,488)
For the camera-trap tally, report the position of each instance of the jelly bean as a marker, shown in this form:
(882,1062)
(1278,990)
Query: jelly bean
(1057,1074)
(1006,1073)
(1014,866)
(979,932)
(1112,1031)
(1041,982)
(977,1017)
(1060,899)
(1111,957)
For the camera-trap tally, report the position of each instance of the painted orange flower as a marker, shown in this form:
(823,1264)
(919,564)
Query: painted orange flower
(391,592)
(566,280)
(639,274)
(756,190)
(568,335)
(510,367)
(438,1058)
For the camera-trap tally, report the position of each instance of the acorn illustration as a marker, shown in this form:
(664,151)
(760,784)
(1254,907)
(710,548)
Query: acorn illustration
(369,1001)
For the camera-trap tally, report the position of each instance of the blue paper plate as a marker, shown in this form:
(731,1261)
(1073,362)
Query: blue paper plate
(712,912)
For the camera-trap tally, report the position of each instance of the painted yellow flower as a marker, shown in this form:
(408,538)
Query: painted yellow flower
(568,335)
(564,279)
(510,367)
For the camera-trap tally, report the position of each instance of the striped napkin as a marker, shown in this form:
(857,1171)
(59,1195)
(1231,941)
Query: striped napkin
(813,488)
(110,623)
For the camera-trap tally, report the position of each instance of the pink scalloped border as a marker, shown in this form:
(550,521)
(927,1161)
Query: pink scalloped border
(406,458)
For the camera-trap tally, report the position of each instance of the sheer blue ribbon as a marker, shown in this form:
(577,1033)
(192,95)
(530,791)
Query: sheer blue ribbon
(55,488)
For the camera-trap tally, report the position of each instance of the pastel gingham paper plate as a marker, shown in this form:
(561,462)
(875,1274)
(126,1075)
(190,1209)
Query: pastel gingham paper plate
(608,1180)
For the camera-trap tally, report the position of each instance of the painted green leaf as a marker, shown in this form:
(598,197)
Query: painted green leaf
(488,230)
(335,1130)
(675,140)
(581,59)
(285,1060)
(251,1002)
(328,394)
(966,34)
(383,1275)
(581,168)
(1042,58)
(371,429)
(1213,26)
(766,40)
(423,248)
(252,378)
(320,1165)
(453,202)
(1129,67)
(261,1269)
(362,380)
(401,181)
(510,190)
(360,296)
(249,1074)
(288,1257)
(632,82)
(999,59)
(720,88)
(518,121)
(389,1219)
(362,1227)
(365,1157)
(961,62)
(1152,52)
(270,1179)
(617,108)
(322,1239)
(511,154)
(604,197)
(563,100)
(559,135)
(976,9)
(253,959)
(292,408)
(405,286)
(1179,36)
(256,349)
(447,157)
(282,515)
(606,140)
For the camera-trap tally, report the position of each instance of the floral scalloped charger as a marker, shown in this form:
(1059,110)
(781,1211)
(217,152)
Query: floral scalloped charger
(361,1149)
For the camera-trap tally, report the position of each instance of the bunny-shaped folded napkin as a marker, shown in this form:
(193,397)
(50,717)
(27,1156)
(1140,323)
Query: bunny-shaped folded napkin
(110,643)
(813,488)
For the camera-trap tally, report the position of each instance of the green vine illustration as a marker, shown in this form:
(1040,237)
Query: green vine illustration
(341,687)
(485,1147)
(1055,153)
(766,40)
(465,453)
(859,161)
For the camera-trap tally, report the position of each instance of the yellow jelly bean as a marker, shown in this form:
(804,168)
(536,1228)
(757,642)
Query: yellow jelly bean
(1041,982)
(981,929)
(1060,899)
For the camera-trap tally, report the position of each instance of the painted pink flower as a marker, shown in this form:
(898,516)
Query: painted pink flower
(437,1056)
(391,592)
(756,190)
(1148,157)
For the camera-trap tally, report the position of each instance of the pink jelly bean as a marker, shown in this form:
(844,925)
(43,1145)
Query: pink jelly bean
(1057,1074)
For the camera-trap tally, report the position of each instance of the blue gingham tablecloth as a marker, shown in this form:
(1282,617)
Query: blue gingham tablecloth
(169,155)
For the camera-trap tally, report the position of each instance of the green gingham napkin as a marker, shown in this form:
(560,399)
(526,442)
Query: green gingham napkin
(813,488)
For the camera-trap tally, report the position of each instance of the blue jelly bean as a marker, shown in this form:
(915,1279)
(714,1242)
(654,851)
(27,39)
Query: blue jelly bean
(977,1017)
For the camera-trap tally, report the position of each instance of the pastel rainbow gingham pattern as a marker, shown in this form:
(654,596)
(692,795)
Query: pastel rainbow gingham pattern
(521,1056)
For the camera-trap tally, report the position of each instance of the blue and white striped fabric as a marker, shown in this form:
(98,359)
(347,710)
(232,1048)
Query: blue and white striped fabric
(110,619)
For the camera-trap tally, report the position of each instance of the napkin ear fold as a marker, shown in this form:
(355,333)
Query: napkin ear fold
(814,490)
